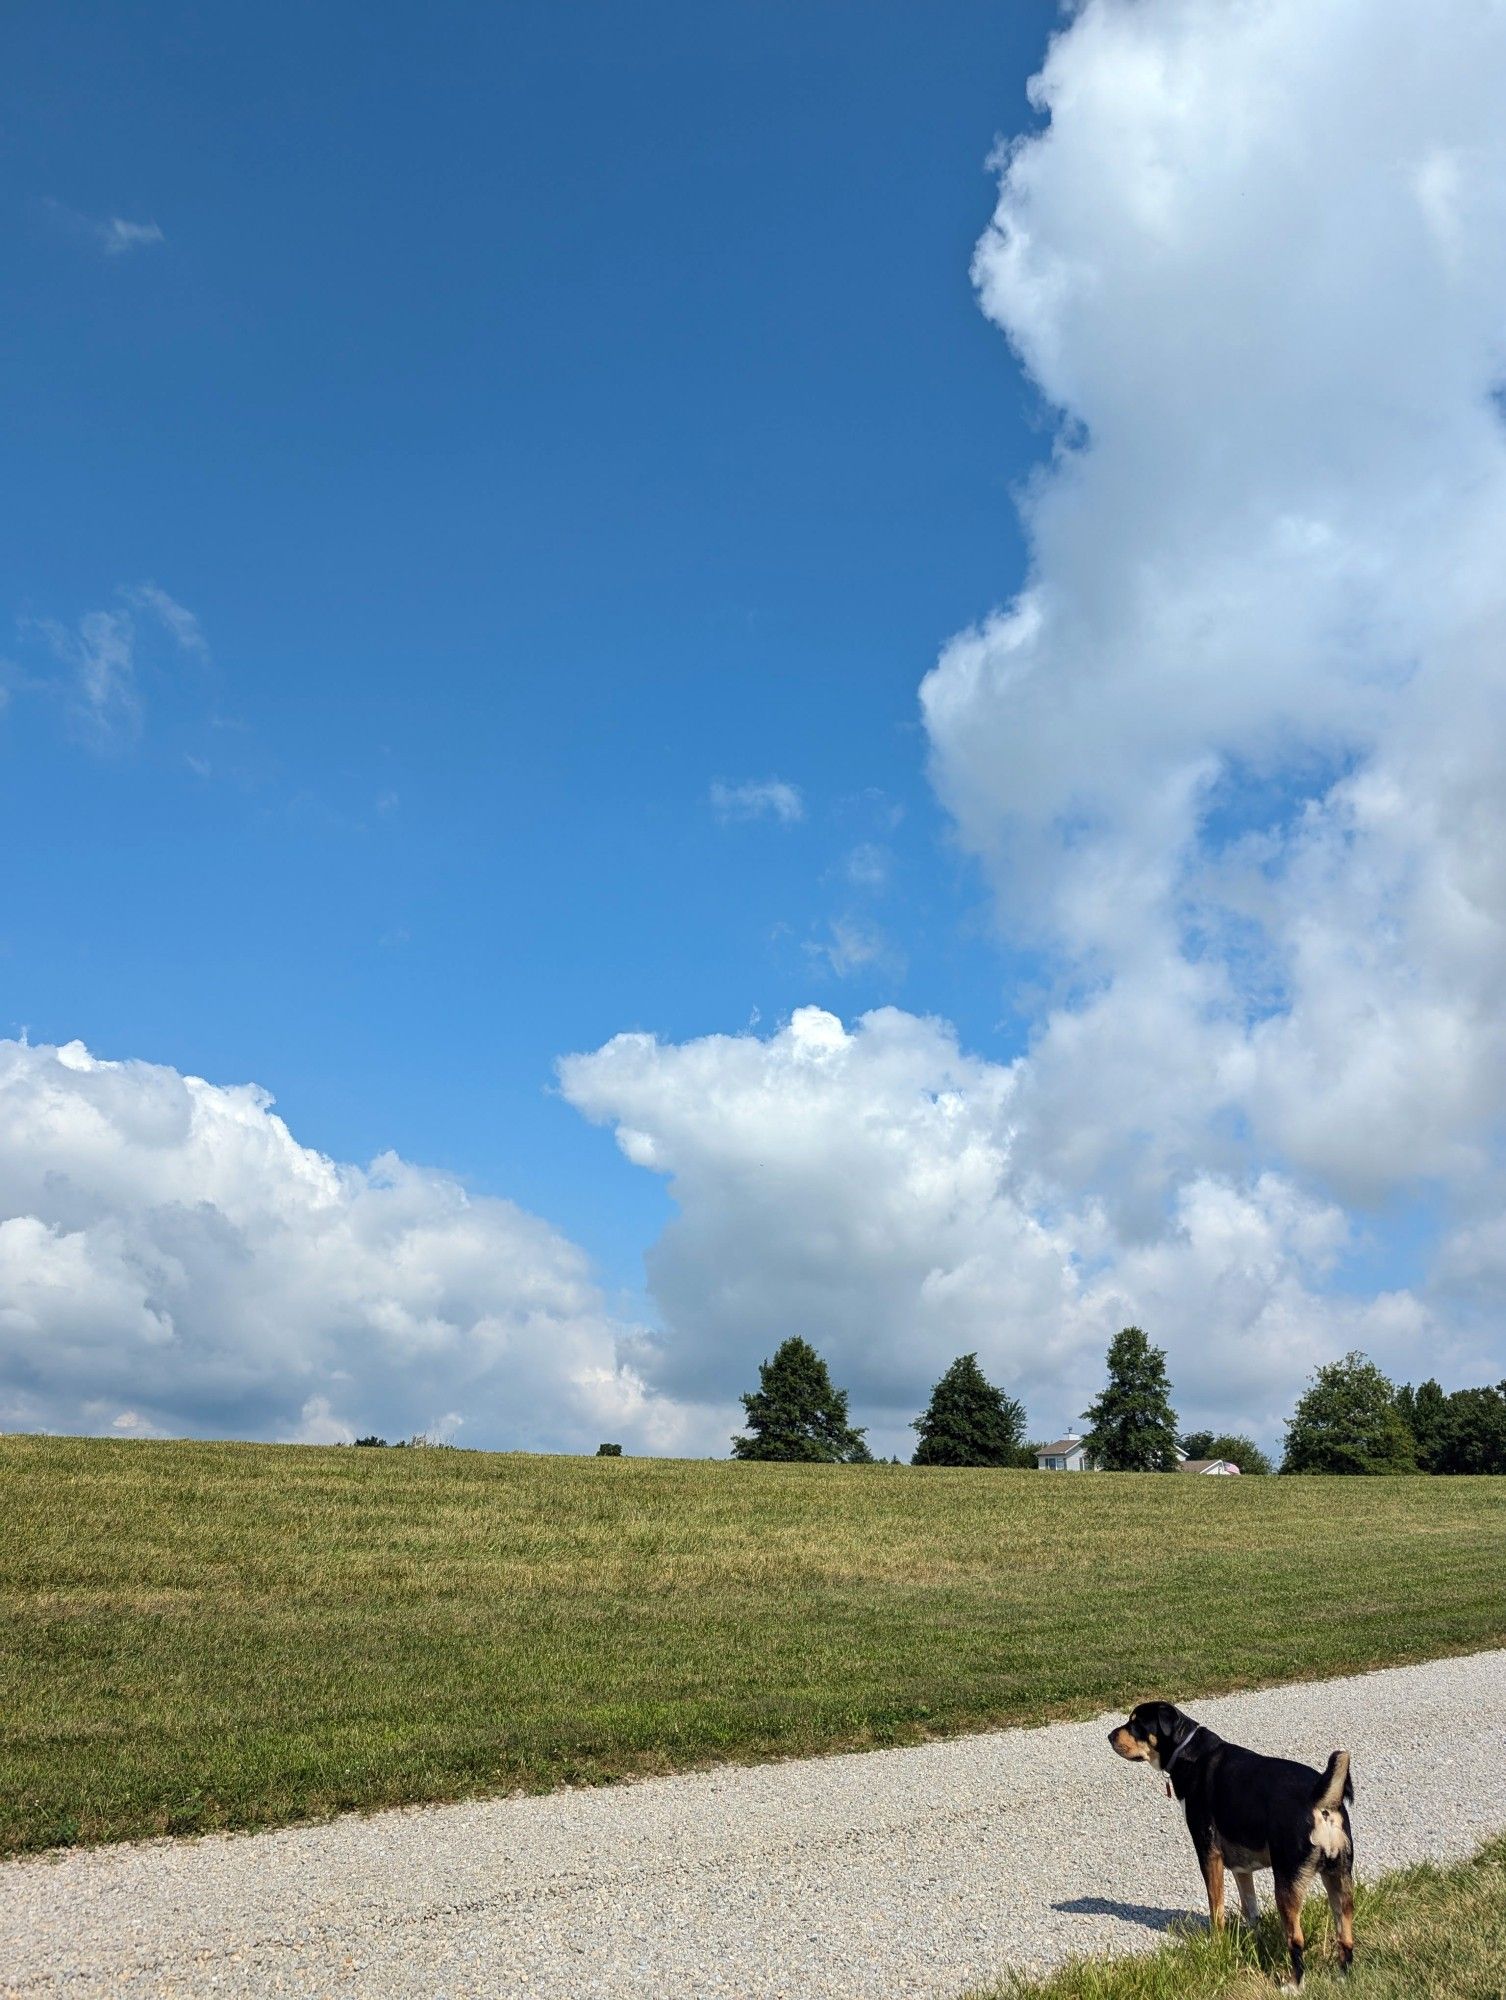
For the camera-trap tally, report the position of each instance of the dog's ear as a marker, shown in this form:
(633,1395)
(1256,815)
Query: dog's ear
(1170,1726)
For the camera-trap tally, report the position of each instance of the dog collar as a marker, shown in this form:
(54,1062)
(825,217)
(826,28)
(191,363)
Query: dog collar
(1195,1730)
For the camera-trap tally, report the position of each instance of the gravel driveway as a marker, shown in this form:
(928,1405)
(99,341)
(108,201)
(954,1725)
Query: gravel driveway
(896,1872)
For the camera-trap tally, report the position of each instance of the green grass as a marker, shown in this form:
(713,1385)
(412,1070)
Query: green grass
(212,1635)
(1422,1934)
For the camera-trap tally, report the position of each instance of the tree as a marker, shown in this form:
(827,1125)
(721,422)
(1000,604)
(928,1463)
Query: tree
(1134,1428)
(969,1421)
(609,1451)
(1239,1450)
(1347,1421)
(796,1414)
(1422,1412)
(1471,1432)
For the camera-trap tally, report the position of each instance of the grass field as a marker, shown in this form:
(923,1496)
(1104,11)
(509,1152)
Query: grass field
(209,1635)
(1422,1934)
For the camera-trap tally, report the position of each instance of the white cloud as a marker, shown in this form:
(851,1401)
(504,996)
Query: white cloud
(765,798)
(100,655)
(113,234)
(871,1190)
(1234,759)
(119,236)
(172,1260)
(848,945)
(1257,262)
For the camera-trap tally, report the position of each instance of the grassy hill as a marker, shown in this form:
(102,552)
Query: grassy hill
(205,1635)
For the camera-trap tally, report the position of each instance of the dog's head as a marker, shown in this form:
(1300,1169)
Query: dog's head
(1152,1733)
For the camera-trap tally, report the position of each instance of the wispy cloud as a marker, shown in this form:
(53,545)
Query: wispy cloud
(850,946)
(764,798)
(868,865)
(115,235)
(119,236)
(99,652)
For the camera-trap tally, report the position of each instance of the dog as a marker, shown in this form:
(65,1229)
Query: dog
(1247,1812)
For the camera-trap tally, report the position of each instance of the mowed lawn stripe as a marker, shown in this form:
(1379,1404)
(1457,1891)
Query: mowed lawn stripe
(220,1635)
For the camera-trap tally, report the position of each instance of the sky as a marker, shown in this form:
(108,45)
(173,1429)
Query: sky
(671,676)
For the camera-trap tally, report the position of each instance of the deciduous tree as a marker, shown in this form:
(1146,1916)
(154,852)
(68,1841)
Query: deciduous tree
(1348,1421)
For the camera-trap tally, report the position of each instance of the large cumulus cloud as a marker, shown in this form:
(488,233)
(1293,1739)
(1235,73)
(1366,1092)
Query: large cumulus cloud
(872,1189)
(171,1259)
(1232,759)
(1235,751)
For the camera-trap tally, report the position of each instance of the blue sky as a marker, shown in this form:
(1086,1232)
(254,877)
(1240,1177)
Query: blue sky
(597,573)
(545,414)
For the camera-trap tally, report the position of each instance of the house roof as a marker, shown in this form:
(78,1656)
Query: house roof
(1061,1444)
(1202,1464)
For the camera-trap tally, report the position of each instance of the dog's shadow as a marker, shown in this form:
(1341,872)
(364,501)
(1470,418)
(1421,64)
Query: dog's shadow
(1151,1915)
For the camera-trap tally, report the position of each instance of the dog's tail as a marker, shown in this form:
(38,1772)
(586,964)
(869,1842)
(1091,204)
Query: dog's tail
(1335,1783)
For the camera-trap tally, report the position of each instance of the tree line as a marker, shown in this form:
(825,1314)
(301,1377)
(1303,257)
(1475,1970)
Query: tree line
(1350,1419)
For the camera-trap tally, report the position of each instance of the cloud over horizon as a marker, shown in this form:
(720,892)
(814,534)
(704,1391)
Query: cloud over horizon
(1232,761)
(172,1260)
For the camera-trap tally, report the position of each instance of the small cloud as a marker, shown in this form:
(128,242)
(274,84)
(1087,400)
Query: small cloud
(386,802)
(200,766)
(179,622)
(98,654)
(318,1424)
(131,1423)
(849,947)
(766,798)
(119,236)
(113,234)
(868,865)
(395,939)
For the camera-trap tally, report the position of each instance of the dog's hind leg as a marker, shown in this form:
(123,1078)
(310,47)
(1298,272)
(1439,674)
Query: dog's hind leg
(1339,1883)
(1249,1902)
(1213,1877)
(1291,1893)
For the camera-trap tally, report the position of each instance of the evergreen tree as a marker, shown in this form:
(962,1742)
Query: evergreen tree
(1348,1421)
(1134,1428)
(796,1414)
(1423,1411)
(969,1421)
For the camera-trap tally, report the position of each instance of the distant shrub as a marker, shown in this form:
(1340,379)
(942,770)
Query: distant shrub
(373,1439)
(609,1451)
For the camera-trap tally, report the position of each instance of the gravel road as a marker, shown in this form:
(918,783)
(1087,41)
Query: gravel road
(898,1872)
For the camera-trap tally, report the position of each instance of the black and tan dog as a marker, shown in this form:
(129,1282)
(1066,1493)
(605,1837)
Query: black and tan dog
(1249,1812)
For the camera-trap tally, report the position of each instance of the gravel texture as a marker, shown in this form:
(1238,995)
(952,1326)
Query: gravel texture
(898,1872)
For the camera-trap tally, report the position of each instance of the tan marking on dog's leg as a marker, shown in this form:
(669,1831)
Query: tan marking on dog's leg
(1213,1878)
(1290,1897)
(1340,1886)
(1249,1902)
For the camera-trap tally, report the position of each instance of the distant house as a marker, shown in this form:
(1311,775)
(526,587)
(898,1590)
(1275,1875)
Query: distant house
(1067,1454)
(1219,1467)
